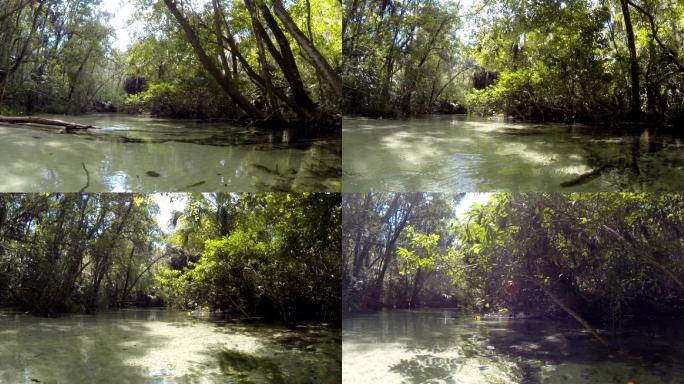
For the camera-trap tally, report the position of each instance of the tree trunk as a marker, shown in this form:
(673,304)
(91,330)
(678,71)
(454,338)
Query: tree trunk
(572,313)
(137,278)
(672,55)
(320,63)
(228,85)
(24,50)
(256,78)
(359,229)
(266,79)
(122,299)
(635,101)
(393,236)
(219,38)
(284,57)
(72,88)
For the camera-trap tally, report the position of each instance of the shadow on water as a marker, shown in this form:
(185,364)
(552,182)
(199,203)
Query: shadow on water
(74,349)
(158,346)
(467,154)
(438,347)
(303,354)
(246,368)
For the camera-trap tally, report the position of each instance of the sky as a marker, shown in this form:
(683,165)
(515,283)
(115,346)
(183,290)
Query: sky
(122,21)
(168,203)
(465,6)
(125,24)
(469,200)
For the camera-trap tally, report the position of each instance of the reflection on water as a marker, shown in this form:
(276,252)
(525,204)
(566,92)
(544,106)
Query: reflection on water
(464,154)
(140,154)
(441,347)
(158,346)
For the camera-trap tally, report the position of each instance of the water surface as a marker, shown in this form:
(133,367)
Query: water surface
(457,153)
(159,346)
(143,154)
(443,347)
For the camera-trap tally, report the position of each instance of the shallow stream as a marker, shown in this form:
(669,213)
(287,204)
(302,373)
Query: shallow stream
(143,154)
(160,346)
(444,347)
(458,153)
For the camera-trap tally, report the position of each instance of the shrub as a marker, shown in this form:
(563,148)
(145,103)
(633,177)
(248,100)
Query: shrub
(186,100)
(133,104)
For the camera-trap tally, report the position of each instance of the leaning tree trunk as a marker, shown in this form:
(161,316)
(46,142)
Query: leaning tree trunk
(569,311)
(285,58)
(255,77)
(671,54)
(229,86)
(267,80)
(320,63)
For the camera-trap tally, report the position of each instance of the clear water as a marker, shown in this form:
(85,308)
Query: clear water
(442,347)
(457,153)
(142,154)
(158,346)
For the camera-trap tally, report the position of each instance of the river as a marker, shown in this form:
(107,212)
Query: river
(443,347)
(459,153)
(144,154)
(160,346)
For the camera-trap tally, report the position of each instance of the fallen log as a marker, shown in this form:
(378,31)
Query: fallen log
(568,310)
(68,127)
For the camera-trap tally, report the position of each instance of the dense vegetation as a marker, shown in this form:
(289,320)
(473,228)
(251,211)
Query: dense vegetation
(72,252)
(253,59)
(251,255)
(381,235)
(272,255)
(575,60)
(56,56)
(600,258)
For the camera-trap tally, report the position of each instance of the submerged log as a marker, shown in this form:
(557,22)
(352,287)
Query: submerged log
(68,127)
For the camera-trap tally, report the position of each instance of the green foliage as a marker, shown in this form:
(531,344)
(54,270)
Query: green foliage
(269,255)
(516,93)
(164,56)
(610,257)
(178,100)
(53,63)
(397,250)
(556,61)
(134,104)
(402,57)
(422,254)
(551,62)
(606,255)
(71,252)
(56,56)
